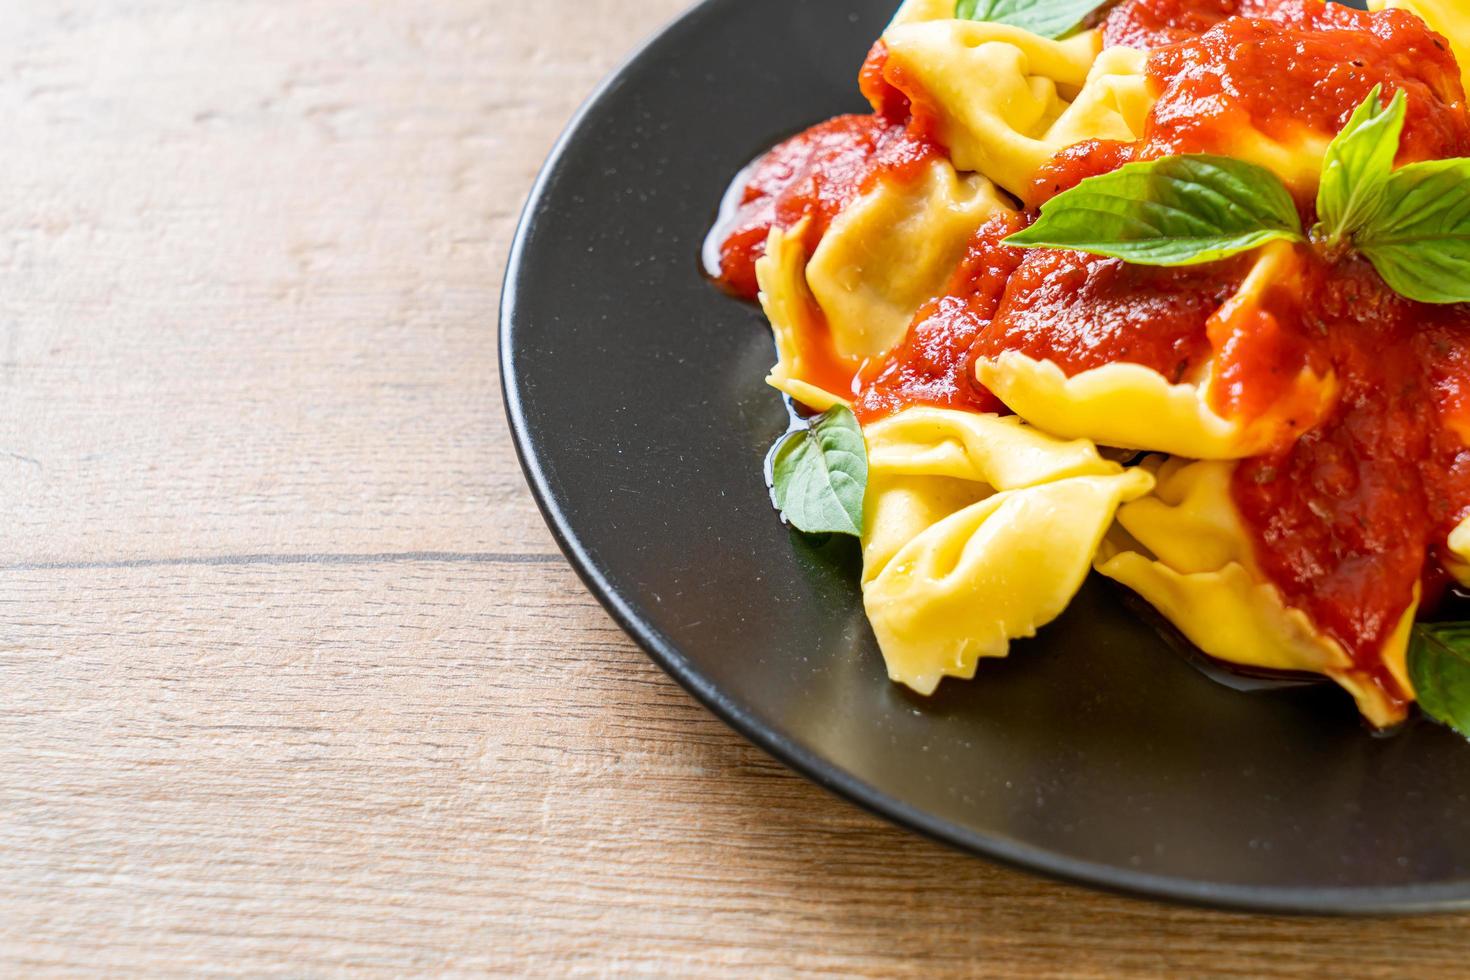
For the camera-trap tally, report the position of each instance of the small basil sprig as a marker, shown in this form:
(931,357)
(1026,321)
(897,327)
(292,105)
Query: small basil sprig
(1049,18)
(819,474)
(1439,667)
(1175,211)
(1419,236)
(1413,223)
(1358,162)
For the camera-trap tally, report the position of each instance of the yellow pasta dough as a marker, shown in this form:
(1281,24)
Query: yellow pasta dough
(883,257)
(792,310)
(1297,161)
(1114,102)
(892,250)
(1135,407)
(1118,404)
(1008,100)
(979,530)
(1184,549)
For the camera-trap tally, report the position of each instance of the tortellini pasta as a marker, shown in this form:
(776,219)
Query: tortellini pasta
(1007,100)
(1114,102)
(1184,549)
(1132,406)
(883,257)
(1119,404)
(979,530)
(892,250)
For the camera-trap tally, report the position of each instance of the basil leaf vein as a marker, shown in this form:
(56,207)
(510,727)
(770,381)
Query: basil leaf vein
(820,474)
(1182,210)
(1358,163)
(1418,237)
(1049,18)
(1439,667)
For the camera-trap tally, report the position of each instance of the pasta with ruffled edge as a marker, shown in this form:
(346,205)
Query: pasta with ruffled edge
(1184,549)
(1007,100)
(979,530)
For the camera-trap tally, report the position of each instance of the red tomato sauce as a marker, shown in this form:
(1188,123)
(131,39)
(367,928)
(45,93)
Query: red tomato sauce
(1145,24)
(885,97)
(1281,80)
(1083,311)
(1074,165)
(1344,518)
(817,174)
(934,364)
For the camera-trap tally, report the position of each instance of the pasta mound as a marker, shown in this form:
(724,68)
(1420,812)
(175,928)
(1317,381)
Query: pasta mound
(1270,449)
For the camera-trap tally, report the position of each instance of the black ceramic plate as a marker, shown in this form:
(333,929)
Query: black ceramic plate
(1097,752)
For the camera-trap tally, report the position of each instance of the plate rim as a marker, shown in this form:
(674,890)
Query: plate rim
(1347,901)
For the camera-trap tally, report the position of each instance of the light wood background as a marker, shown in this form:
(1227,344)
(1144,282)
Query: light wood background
(292,678)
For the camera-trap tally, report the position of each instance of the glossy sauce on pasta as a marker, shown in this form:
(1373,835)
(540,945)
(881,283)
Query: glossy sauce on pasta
(1299,73)
(933,364)
(1344,518)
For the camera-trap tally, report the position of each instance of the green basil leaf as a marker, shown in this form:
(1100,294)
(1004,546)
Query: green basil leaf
(1049,18)
(1439,667)
(820,474)
(1358,163)
(1175,211)
(1418,237)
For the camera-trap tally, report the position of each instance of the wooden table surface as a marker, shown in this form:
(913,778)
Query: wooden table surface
(294,679)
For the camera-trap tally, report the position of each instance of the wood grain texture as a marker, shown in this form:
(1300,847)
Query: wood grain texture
(294,679)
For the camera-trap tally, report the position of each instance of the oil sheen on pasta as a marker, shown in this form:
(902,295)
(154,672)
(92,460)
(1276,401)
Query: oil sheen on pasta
(1343,515)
